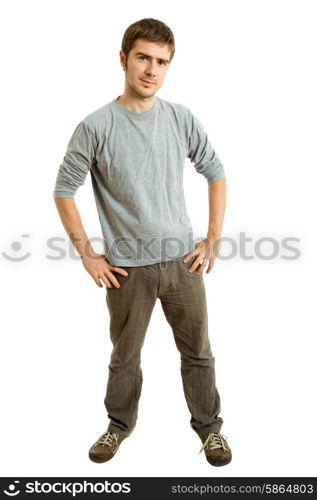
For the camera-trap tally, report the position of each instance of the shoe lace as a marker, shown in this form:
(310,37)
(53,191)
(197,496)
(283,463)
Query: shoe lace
(215,440)
(108,439)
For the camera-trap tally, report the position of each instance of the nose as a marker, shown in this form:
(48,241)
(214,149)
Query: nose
(150,69)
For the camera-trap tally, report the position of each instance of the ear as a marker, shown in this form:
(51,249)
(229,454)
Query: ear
(122,59)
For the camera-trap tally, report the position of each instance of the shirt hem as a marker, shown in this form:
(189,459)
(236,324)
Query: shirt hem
(139,263)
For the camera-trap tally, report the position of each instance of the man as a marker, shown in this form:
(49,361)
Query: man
(134,148)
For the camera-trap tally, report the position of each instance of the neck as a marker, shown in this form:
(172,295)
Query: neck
(136,103)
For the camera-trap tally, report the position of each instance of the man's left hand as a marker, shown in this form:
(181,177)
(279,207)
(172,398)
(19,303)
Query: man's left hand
(205,252)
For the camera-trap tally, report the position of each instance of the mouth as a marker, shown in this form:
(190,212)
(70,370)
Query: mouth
(147,82)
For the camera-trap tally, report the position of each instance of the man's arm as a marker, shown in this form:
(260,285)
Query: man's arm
(95,264)
(73,225)
(207,249)
(71,175)
(207,163)
(217,207)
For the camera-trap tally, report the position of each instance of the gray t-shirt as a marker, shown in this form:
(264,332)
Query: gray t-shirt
(136,163)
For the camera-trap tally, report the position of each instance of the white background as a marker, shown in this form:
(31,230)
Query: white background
(247,69)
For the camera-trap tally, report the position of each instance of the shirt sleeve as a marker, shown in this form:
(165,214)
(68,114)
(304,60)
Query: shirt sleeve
(77,162)
(202,154)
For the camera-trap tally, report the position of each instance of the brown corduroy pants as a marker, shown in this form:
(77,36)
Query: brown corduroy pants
(183,299)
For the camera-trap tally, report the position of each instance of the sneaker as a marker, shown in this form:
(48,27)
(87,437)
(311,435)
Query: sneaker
(216,448)
(105,447)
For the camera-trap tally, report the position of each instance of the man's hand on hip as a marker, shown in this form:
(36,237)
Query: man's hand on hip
(100,269)
(205,252)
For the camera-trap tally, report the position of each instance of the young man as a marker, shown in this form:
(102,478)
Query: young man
(134,148)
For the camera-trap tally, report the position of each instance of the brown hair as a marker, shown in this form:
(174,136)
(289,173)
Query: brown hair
(149,29)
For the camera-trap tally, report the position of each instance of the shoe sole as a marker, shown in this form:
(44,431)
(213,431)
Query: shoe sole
(223,462)
(100,460)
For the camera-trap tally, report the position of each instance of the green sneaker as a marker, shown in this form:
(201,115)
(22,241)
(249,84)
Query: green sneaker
(105,447)
(216,448)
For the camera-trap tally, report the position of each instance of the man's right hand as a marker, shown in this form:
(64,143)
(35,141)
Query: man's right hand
(100,269)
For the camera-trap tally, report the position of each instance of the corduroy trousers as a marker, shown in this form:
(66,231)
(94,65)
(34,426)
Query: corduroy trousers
(183,300)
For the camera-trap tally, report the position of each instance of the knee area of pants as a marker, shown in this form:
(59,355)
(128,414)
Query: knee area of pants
(131,366)
(206,361)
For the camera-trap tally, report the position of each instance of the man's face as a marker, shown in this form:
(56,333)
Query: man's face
(147,65)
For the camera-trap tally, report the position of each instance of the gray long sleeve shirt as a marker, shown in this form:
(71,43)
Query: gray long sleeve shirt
(136,163)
